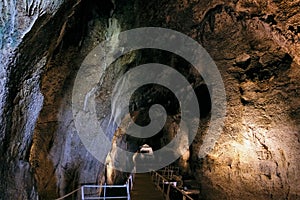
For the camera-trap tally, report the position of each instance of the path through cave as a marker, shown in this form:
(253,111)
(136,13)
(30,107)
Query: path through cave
(254,44)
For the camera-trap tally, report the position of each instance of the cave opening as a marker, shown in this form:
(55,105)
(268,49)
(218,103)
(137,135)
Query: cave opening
(140,103)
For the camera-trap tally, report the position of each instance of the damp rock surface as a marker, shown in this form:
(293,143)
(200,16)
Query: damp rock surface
(255,45)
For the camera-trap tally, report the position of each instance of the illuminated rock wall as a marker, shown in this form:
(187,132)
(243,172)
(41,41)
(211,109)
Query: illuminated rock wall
(255,45)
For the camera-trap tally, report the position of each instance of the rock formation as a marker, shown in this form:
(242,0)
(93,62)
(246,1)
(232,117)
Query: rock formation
(254,43)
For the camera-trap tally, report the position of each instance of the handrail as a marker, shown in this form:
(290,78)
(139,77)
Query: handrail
(160,182)
(60,198)
(128,187)
(106,186)
(129,182)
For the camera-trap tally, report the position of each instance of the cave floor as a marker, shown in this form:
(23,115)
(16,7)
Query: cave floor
(144,188)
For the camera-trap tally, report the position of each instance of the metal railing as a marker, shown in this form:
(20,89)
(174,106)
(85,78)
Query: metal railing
(173,168)
(168,187)
(104,195)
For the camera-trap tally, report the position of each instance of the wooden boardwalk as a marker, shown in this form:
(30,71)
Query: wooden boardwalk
(144,188)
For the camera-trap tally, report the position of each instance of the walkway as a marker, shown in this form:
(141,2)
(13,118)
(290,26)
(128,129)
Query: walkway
(144,188)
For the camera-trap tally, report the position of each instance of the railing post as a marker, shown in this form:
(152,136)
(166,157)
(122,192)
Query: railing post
(163,187)
(82,192)
(104,193)
(158,182)
(168,192)
(128,191)
(131,182)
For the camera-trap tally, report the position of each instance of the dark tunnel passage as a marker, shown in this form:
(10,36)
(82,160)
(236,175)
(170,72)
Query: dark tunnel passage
(148,95)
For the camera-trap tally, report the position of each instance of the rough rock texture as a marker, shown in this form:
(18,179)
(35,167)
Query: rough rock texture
(20,95)
(254,43)
(256,155)
(41,153)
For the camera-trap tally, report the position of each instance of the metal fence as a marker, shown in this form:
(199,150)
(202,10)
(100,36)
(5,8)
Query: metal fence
(168,188)
(102,191)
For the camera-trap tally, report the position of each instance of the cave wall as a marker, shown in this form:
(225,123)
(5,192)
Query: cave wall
(256,155)
(41,153)
(21,99)
(255,45)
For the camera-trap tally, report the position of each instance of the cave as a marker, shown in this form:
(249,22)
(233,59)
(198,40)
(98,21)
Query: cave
(225,113)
